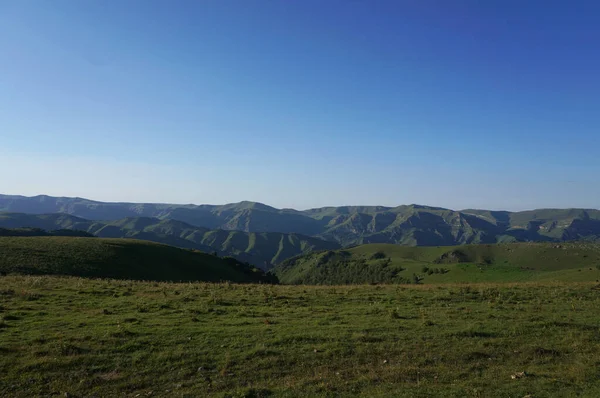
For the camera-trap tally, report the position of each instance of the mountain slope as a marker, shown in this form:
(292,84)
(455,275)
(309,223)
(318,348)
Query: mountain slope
(118,258)
(260,249)
(385,263)
(347,225)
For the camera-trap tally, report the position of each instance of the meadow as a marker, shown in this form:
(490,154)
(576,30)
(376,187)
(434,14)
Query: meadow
(75,337)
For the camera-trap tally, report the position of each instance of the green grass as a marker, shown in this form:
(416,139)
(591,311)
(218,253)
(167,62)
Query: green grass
(117,258)
(573,261)
(15,232)
(81,337)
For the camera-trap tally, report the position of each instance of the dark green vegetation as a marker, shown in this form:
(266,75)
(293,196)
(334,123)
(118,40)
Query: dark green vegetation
(348,225)
(41,232)
(118,258)
(385,263)
(262,249)
(78,337)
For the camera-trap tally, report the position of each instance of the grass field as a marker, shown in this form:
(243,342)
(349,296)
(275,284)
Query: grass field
(64,336)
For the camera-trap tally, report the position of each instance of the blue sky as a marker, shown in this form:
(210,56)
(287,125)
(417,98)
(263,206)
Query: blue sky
(302,104)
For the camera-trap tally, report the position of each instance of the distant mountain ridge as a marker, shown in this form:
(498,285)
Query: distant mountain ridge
(413,225)
(260,249)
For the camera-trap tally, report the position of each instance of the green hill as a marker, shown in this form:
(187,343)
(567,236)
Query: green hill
(385,263)
(260,249)
(119,259)
(41,232)
(413,225)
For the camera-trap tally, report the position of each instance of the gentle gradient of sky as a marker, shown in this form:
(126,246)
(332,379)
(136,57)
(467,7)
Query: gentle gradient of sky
(488,104)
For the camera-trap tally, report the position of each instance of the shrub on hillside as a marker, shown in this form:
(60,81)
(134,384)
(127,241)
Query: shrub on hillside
(378,255)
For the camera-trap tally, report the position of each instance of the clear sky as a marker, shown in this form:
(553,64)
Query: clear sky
(488,104)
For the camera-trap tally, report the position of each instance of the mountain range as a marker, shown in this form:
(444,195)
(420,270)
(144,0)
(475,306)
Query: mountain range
(209,226)
(262,249)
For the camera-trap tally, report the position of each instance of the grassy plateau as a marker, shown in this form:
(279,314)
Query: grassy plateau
(450,322)
(74,337)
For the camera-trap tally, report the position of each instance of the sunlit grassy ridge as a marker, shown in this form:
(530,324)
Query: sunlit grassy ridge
(385,263)
(84,337)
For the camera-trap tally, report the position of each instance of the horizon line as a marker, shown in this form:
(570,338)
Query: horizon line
(291,208)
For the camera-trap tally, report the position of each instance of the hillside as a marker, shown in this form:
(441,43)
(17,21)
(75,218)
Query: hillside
(40,232)
(385,263)
(119,259)
(260,249)
(412,225)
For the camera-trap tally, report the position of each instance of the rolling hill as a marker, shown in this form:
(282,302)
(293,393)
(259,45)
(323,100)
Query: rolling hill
(260,249)
(386,263)
(40,232)
(412,225)
(119,259)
